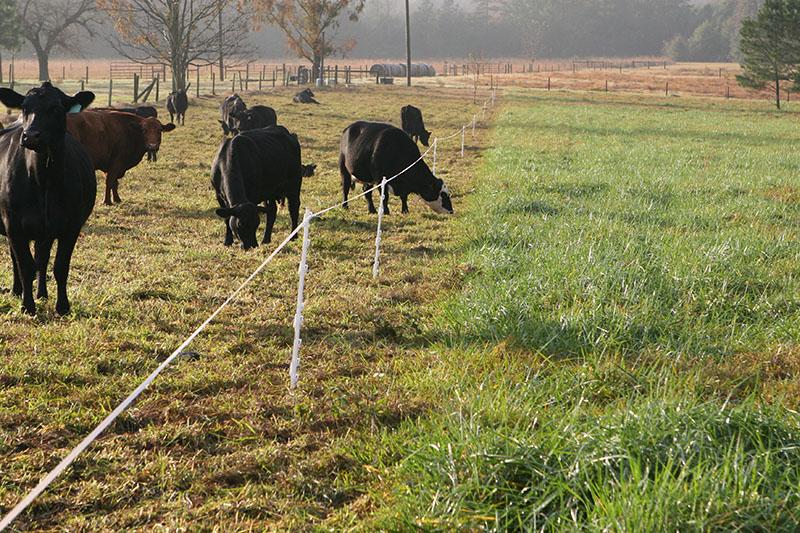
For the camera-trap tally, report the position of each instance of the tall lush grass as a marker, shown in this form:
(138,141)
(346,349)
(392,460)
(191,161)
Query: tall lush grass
(623,353)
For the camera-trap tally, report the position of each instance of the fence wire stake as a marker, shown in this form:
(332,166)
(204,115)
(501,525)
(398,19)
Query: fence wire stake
(379,233)
(301,304)
(435,143)
(474,120)
(463,131)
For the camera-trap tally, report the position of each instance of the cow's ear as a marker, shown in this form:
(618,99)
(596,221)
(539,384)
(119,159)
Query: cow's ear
(10,98)
(168,127)
(224,212)
(83,99)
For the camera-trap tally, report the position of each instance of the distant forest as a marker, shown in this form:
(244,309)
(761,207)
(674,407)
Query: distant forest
(682,29)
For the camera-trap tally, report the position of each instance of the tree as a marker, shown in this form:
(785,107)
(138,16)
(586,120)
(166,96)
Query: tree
(10,30)
(56,25)
(311,26)
(770,46)
(178,33)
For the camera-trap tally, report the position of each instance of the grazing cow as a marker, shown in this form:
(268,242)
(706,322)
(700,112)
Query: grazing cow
(177,104)
(116,142)
(47,189)
(258,116)
(144,111)
(371,151)
(232,105)
(255,166)
(306,96)
(413,125)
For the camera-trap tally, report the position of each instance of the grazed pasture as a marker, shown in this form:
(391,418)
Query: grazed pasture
(220,439)
(603,338)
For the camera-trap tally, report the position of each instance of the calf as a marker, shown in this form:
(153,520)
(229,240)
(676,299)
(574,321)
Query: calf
(254,167)
(232,105)
(413,125)
(47,189)
(371,151)
(177,104)
(116,142)
(306,96)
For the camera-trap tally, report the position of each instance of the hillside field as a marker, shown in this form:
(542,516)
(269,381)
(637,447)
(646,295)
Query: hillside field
(604,336)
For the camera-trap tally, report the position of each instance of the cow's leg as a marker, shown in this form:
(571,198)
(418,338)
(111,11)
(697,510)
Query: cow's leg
(115,188)
(404,201)
(26,269)
(228,233)
(294,210)
(42,257)
(386,202)
(17,286)
(368,196)
(171,117)
(109,181)
(272,211)
(66,245)
(347,181)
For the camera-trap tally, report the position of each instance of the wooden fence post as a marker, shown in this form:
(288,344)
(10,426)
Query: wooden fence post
(110,90)
(197,79)
(548,83)
(135,88)
(213,84)
(158,83)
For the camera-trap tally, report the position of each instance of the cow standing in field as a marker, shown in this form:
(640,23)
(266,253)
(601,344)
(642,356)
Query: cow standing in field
(47,189)
(371,151)
(116,142)
(413,125)
(177,104)
(232,105)
(254,167)
(258,116)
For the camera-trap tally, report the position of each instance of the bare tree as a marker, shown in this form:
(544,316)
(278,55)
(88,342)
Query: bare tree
(311,25)
(56,25)
(179,33)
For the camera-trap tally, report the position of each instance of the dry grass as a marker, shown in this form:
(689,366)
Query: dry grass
(219,439)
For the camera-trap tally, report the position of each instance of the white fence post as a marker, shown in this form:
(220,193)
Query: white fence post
(376,264)
(301,304)
(463,131)
(435,143)
(474,120)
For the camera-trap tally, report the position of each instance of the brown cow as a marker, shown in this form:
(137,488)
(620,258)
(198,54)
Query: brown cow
(116,142)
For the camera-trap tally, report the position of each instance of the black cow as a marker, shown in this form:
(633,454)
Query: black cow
(47,189)
(306,96)
(230,106)
(254,167)
(413,125)
(258,116)
(371,151)
(144,111)
(177,104)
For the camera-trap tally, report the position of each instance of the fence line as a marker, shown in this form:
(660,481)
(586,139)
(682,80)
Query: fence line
(51,476)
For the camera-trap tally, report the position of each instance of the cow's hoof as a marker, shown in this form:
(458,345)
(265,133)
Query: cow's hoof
(266,241)
(373,212)
(226,243)
(345,206)
(107,202)
(41,295)
(63,308)
(29,308)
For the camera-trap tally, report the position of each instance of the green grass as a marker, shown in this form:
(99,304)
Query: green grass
(604,337)
(623,353)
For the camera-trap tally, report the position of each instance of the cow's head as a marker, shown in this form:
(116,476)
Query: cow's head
(438,197)
(243,219)
(308,170)
(44,113)
(152,129)
(425,137)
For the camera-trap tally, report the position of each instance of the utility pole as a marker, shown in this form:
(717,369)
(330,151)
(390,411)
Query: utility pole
(408,46)
(221,55)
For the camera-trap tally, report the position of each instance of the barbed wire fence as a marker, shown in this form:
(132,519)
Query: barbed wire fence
(294,367)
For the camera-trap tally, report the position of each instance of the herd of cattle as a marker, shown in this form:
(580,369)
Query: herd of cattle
(48,159)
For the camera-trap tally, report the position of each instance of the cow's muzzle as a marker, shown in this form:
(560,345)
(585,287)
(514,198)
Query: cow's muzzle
(32,140)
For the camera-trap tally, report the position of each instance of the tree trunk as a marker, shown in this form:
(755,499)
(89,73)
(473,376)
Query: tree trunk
(43,56)
(178,76)
(316,70)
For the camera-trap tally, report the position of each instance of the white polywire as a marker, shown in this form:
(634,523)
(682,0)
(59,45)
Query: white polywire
(91,437)
(376,263)
(301,304)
